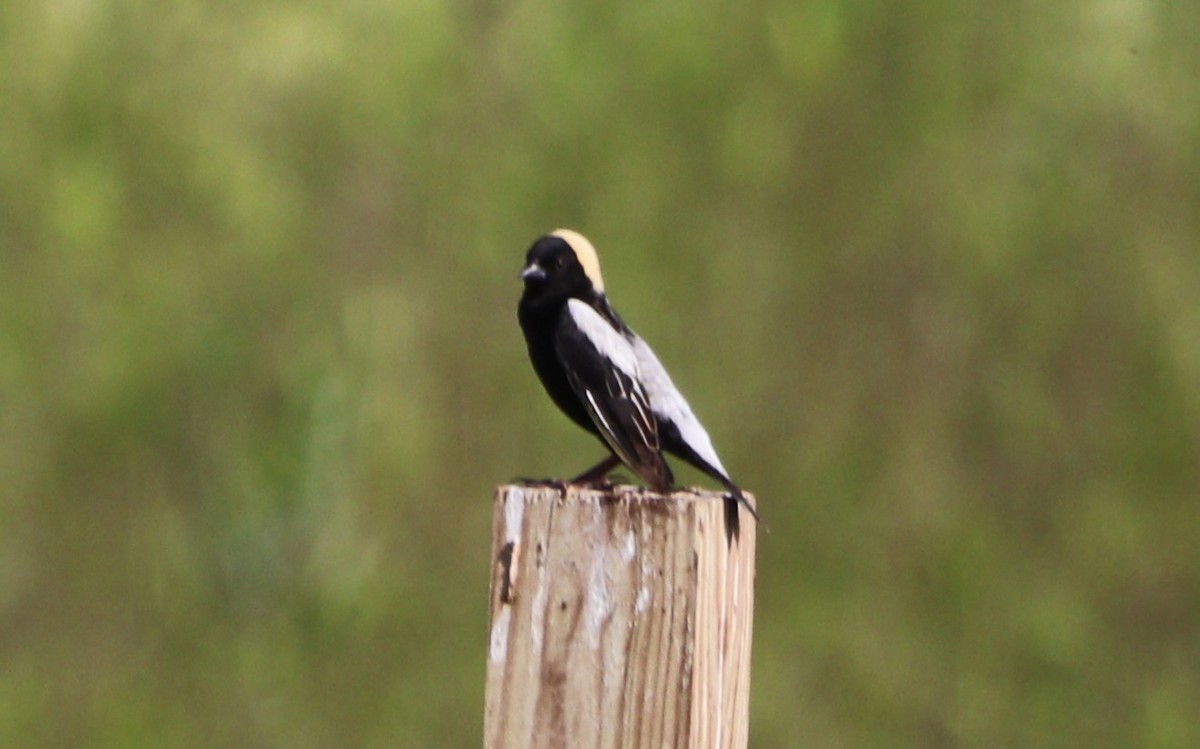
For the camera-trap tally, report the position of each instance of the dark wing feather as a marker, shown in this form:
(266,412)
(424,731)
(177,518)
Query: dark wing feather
(616,403)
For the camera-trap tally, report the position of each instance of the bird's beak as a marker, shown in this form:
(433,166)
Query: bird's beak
(533,272)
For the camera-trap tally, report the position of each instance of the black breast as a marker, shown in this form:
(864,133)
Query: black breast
(539,326)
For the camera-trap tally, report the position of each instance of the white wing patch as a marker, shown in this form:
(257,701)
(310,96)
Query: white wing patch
(668,403)
(610,343)
(634,358)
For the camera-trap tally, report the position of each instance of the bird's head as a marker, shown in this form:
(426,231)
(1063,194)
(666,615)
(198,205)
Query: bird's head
(560,266)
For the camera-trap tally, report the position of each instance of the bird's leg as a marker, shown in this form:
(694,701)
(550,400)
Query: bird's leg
(592,477)
(595,476)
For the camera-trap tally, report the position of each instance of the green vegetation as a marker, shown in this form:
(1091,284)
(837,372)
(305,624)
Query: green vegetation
(930,275)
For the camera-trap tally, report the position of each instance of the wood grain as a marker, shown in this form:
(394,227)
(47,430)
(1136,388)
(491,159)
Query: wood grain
(618,619)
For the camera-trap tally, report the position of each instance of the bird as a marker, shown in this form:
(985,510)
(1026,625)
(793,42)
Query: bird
(605,377)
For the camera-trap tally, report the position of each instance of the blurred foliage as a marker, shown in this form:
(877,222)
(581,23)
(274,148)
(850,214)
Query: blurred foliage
(929,275)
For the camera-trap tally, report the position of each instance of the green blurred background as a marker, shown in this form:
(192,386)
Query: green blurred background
(929,273)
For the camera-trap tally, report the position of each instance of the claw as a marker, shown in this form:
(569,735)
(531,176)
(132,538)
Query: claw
(553,483)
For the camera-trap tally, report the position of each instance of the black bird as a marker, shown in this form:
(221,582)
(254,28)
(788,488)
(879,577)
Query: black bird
(603,375)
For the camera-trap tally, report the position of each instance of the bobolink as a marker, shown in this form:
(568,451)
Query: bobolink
(603,375)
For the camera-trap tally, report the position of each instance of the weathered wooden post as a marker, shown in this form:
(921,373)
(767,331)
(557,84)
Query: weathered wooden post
(619,619)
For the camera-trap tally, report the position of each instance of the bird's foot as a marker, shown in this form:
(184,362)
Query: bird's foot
(552,483)
(599,483)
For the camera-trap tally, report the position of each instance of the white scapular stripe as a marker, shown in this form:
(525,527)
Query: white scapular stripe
(669,405)
(607,340)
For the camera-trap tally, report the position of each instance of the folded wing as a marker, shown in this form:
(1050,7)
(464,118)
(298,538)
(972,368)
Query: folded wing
(602,368)
(681,431)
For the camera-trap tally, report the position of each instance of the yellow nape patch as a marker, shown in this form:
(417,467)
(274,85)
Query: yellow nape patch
(586,254)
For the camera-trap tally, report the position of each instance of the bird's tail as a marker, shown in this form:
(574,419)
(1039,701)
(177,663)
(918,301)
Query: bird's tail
(733,522)
(739,498)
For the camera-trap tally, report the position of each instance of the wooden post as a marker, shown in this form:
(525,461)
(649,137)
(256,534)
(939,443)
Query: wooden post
(619,619)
